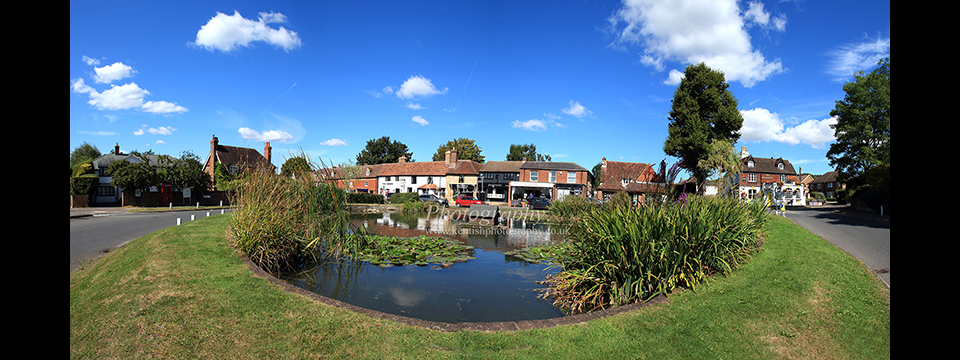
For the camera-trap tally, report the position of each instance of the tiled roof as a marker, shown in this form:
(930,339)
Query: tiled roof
(767,166)
(825,178)
(611,176)
(551,165)
(429,168)
(239,156)
(465,167)
(501,166)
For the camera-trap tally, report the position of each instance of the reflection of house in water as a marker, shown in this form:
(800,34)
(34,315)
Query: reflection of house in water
(525,233)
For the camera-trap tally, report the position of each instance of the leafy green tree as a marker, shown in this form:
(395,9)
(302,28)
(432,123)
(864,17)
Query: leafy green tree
(704,110)
(83,152)
(525,151)
(295,165)
(383,151)
(83,179)
(596,174)
(466,150)
(129,175)
(185,172)
(863,124)
(722,163)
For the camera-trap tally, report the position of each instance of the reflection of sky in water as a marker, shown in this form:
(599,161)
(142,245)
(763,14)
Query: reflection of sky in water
(493,287)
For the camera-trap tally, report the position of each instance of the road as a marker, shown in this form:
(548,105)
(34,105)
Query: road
(96,231)
(865,237)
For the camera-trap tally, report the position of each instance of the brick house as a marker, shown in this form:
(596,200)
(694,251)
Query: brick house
(827,184)
(494,180)
(768,175)
(359,179)
(238,160)
(639,180)
(552,180)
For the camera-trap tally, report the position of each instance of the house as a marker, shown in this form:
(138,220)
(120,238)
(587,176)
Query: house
(768,175)
(495,178)
(827,184)
(462,176)
(359,179)
(107,193)
(552,180)
(639,180)
(237,160)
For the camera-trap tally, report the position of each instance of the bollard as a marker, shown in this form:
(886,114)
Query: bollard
(198,204)
(191,217)
(171,206)
(178,221)
(221,211)
(208,214)
(221,202)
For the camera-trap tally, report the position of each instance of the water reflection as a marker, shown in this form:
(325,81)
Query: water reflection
(492,287)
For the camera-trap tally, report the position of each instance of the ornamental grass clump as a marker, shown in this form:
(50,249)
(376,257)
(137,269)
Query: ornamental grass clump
(627,254)
(282,223)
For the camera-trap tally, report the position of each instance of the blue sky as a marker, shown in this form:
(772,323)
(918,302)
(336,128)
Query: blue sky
(581,80)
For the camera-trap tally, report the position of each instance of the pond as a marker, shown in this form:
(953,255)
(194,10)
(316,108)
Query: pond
(492,287)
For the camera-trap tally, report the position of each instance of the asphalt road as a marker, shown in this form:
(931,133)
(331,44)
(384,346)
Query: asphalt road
(864,236)
(96,231)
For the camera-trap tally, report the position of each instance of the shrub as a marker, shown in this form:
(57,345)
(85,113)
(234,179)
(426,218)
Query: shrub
(401,198)
(625,254)
(84,184)
(571,207)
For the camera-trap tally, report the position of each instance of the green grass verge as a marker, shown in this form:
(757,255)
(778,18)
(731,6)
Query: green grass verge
(182,292)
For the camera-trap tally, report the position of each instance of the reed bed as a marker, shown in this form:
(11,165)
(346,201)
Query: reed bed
(627,254)
(282,223)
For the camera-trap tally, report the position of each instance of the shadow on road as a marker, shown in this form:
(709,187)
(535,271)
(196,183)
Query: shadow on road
(844,215)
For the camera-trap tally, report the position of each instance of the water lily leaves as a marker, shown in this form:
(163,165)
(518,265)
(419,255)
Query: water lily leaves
(388,251)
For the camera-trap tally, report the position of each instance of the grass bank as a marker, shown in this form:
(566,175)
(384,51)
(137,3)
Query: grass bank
(182,292)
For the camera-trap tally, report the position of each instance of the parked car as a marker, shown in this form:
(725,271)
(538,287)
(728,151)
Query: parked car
(466,200)
(433,199)
(538,203)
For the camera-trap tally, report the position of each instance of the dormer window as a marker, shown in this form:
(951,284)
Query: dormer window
(750,163)
(780,166)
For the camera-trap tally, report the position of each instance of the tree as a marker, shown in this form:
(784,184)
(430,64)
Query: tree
(596,171)
(722,163)
(863,124)
(703,111)
(382,151)
(295,165)
(185,172)
(524,151)
(129,175)
(466,150)
(83,153)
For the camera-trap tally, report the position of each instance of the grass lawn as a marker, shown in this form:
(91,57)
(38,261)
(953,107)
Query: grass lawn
(182,292)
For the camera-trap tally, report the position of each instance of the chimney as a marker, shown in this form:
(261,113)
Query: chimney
(446,158)
(403,159)
(743,152)
(116,149)
(267,153)
(213,146)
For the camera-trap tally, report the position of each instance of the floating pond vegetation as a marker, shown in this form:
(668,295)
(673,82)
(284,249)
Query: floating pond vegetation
(387,251)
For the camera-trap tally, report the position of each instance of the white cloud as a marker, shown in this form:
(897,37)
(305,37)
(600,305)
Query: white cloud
(851,58)
(269,135)
(124,97)
(761,125)
(97,133)
(335,142)
(532,125)
(690,32)
(230,32)
(757,14)
(115,71)
(418,87)
(413,106)
(163,130)
(90,61)
(576,109)
(420,120)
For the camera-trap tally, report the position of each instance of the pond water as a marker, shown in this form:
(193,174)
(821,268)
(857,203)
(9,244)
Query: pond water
(492,287)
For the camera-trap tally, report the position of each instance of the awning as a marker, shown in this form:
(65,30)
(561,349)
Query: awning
(530,184)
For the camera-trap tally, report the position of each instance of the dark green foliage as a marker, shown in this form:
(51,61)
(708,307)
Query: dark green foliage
(863,124)
(382,151)
(525,151)
(703,110)
(131,176)
(625,254)
(294,165)
(466,150)
(83,184)
(402,198)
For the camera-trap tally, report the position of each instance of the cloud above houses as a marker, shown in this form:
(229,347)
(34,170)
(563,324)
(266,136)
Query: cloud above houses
(228,33)
(163,130)
(269,135)
(420,120)
(576,110)
(712,31)
(129,96)
(761,125)
(417,87)
(862,56)
(334,142)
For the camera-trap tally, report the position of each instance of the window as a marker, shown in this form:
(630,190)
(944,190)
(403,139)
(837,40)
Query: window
(553,176)
(429,179)
(780,166)
(106,191)
(750,163)
(413,180)
(461,179)
(829,185)
(571,177)
(365,184)
(534,175)
(752,177)
(783,178)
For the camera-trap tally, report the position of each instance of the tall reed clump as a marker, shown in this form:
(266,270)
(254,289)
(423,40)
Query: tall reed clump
(628,254)
(282,222)
(571,207)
